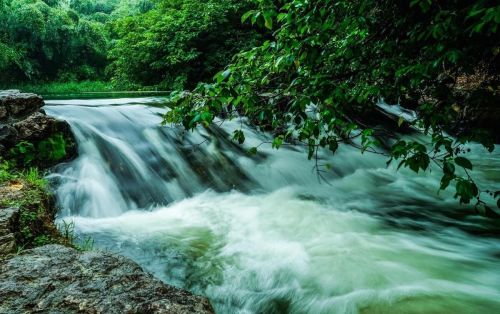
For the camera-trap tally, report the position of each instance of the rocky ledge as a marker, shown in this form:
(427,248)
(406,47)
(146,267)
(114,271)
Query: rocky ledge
(15,105)
(58,279)
(23,119)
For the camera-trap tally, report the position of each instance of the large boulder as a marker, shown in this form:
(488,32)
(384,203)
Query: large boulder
(58,279)
(15,105)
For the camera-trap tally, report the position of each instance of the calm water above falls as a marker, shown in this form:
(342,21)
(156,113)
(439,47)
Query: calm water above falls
(261,234)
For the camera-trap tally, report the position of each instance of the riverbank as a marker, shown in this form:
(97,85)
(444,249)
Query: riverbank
(41,268)
(51,88)
(27,213)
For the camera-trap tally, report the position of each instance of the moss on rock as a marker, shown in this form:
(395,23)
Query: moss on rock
(28,194)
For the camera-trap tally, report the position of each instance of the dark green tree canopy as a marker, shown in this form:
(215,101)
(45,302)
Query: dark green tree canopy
(135,43)
(179,42)
(45,40)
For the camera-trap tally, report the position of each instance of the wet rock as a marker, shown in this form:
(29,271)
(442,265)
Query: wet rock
(22,119)
(38,126)
(3,113)
(57,279)
(16,105)
(8,134)
(8,217)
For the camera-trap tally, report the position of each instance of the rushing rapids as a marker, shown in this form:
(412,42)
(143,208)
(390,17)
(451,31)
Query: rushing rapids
(261,234)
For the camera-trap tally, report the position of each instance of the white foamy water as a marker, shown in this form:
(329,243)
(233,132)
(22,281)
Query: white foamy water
(261,234)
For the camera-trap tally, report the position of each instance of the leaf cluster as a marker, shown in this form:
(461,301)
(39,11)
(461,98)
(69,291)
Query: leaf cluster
(318,78)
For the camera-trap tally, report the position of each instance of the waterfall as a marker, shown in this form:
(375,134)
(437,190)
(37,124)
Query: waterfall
(263,233)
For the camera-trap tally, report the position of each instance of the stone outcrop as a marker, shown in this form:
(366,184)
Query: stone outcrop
(8,216)
(39,126)
(23,119)
(15,105)
(58,279)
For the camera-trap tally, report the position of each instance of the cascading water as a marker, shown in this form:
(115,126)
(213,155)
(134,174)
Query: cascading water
(260,234)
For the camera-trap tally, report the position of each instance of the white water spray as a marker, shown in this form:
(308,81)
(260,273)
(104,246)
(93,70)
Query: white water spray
(261,234)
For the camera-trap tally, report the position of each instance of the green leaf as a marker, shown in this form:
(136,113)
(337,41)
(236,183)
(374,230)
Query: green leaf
(466,190)
(310,153)
(448,168)
(277,142)
(400,121)
(281,16)
(239,136)
(445,181)
(246,16)
(252,151)
(333,146)
(463,162)
(268,21)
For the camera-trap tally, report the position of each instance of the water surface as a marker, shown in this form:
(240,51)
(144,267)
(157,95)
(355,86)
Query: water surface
(262,234)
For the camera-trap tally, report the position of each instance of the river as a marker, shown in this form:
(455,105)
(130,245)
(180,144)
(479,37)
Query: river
(262,234)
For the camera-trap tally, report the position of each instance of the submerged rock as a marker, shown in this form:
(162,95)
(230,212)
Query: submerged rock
(58,279)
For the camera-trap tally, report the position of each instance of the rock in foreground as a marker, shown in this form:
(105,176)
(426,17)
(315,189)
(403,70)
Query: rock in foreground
(57,279)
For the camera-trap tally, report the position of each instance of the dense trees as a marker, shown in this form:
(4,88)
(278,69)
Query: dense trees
(317,80)
(167,43)
(44,40)
(179,42)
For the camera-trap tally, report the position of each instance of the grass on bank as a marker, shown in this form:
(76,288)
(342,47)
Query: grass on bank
(65,87)
(78,87)
(28,190)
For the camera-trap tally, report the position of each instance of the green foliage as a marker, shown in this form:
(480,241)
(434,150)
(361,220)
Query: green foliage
(5,174)
(47,41)
(66,87)
(36,209)
(58,40)
(53,148)
(136,43)
(178,43)
(317,79)
(23,151)
(33,201)
(67,229)
(43,152)
(34,178)
(35,226)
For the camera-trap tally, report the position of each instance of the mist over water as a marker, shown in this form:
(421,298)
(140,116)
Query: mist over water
(262,234)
